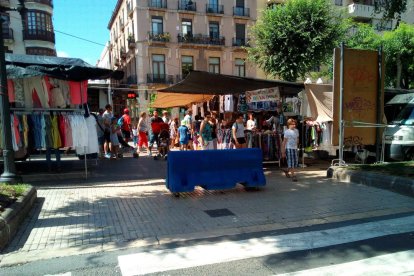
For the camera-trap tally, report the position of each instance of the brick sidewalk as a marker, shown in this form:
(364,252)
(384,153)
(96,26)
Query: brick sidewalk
(126,204)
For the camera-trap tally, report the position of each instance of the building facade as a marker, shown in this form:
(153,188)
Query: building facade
(27,27)
(157,42)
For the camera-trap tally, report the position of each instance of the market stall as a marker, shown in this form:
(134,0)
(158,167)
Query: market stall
(48,104)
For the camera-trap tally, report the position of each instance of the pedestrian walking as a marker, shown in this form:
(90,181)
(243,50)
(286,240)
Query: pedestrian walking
(142,132)
(206,130)
(290,148)
(156,122)
(107,116)
(115,128)
(135,135)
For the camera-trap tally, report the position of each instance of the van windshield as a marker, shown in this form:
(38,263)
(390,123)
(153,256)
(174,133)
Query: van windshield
(406,116)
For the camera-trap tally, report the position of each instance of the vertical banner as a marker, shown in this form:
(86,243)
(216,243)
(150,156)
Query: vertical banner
(360,96)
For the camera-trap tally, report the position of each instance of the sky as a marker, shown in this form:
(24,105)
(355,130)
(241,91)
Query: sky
(87,19)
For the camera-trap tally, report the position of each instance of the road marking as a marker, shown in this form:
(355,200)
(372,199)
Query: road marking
(400,263)
(205,254)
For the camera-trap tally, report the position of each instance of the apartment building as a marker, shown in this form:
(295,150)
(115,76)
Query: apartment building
(27,27)
(157,42)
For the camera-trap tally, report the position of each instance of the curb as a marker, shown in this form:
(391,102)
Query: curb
(13,216)
(402,185)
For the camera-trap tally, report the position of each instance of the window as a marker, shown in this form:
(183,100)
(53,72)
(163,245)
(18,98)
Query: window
(156,25)
(39,22)
(240,34)
(158,67)
(187,27)
(187,65)
(214,65)
(240,67)
(214,30)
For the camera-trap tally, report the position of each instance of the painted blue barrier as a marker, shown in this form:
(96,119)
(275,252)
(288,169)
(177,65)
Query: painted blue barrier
(214,169)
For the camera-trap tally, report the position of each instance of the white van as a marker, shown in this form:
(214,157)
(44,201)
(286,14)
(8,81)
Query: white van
(399,136)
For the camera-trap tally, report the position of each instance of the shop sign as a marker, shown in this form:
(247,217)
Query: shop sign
(131,95)
(263,95)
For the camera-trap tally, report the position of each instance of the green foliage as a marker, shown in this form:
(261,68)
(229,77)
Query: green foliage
(391,9)
(399,49)
(362,36)
(13,191)
(291,39)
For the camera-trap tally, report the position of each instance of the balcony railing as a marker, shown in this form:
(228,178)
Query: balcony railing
(161,37)
(39,35)
(218,9)
(338,2)
(185,6)
(238,42)
(201,39)
(241,11)
(159,4)
(8,33)
(46,2)
(160,78)
(359,10)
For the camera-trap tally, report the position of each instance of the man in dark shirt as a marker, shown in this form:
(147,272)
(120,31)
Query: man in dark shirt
(155,121)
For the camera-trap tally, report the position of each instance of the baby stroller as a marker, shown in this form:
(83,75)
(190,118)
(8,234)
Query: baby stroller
(163,143)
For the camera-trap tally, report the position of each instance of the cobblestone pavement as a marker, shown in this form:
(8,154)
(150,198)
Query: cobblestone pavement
(125,204)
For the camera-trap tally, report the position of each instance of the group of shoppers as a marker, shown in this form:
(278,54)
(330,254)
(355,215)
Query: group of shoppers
(198,134)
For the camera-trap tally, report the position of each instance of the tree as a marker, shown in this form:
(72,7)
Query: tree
(391,9)
(398,47)
(292,39)
(363,36)
(399,56)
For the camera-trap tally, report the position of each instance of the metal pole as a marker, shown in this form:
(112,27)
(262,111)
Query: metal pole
(341,96)
(379,105)
(9,173)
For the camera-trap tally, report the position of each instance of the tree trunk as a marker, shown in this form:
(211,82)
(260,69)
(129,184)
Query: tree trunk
(399,70)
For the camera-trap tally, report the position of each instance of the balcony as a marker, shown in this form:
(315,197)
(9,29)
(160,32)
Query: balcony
(241,11)
(201,39)
(8,34)
(338,2)
(158,4)
(122,53)
(216,9)
(363,11)
(159,37)
(186,6)
(36,34)
(239,42)
(160,78)
(45,2)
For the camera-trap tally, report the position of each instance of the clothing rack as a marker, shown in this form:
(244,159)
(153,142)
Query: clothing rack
(76,111)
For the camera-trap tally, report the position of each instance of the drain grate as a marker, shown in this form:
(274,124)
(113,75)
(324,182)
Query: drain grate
(219,213)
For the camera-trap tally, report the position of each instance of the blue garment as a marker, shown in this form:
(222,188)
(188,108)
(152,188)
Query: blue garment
(184,135)
(37,130)
(207,132)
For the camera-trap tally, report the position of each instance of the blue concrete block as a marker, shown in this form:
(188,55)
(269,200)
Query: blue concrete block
(214,169)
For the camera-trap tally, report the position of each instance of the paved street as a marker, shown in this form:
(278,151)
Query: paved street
(124,205)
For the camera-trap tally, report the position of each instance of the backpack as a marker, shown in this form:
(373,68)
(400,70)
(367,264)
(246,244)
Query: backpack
(121,121)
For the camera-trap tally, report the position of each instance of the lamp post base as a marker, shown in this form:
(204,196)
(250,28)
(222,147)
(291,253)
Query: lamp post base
(10,178)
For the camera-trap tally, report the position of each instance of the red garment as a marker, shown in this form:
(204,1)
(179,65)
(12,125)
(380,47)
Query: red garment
(10,91)
(62,130)
(127,122)
(143,139)
(78,92)
(49,88)
(36,100)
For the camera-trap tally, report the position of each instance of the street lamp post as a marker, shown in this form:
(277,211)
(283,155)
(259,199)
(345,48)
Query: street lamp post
(9,173)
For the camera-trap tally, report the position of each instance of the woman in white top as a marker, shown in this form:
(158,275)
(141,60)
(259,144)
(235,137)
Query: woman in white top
(251,123)
(238,133)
